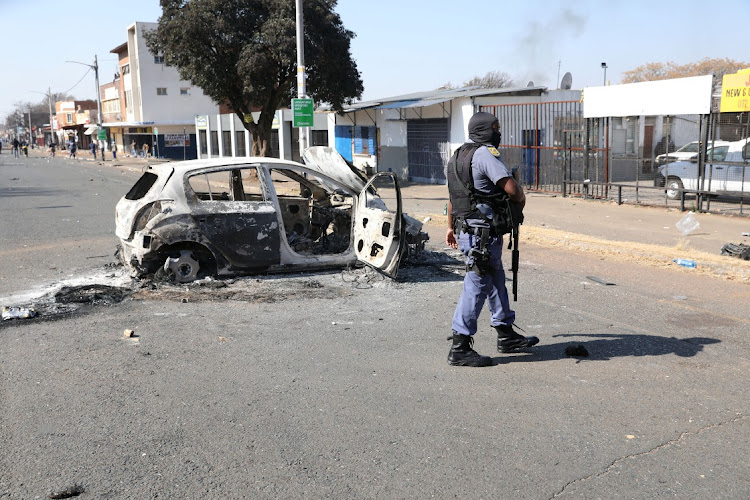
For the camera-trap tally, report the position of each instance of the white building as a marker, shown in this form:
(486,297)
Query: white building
(156,107)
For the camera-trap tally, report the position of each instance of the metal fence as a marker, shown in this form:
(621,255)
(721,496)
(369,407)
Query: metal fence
(690,162)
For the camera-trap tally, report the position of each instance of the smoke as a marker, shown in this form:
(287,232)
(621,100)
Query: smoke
(537,51)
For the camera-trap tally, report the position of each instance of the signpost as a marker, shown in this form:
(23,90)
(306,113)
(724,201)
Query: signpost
(302,110)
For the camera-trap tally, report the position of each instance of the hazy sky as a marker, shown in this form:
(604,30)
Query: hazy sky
(402,46)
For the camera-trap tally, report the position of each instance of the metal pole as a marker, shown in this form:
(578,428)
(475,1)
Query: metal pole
(98,92)
(30,126)
(301,89)
(184,142)
(51,129)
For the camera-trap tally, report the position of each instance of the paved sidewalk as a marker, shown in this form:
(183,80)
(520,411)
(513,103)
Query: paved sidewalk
(604,220)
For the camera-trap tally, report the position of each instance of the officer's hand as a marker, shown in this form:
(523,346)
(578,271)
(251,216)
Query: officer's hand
(450,239)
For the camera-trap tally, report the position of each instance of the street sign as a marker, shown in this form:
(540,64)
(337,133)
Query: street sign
(735,93)
(102,134)
(156,131)
(302,110)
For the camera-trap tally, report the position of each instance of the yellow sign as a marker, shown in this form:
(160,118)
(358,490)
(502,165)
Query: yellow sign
(735,93)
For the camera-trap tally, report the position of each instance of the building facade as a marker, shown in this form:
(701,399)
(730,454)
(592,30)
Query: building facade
(148,107)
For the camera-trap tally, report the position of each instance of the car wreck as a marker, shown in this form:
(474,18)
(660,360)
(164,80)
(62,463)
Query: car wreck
(237,216)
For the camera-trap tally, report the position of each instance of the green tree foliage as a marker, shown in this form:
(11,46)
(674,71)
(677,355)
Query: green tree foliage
(243,53)
(663,71)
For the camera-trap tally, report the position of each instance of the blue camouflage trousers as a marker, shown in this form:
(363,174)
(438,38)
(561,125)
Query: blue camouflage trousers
(477,289)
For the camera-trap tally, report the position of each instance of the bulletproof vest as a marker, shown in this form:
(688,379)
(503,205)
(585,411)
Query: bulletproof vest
(461,182)
(464,197)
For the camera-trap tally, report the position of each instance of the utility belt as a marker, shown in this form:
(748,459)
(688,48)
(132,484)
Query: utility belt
(479,253)
(460,225)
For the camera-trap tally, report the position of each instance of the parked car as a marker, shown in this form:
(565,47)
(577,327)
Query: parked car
(234,216)
(687,152)
(727,172)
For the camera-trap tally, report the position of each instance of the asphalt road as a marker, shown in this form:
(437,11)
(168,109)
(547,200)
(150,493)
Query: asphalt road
(336,384)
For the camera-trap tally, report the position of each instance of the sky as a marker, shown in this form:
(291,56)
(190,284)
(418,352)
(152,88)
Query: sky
(401,46)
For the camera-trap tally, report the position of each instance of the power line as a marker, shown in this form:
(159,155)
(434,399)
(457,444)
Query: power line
(79,81)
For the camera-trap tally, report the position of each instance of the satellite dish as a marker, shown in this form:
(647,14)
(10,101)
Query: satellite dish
(530,84)
(567,81)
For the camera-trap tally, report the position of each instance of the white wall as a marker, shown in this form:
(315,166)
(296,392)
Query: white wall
(172,107)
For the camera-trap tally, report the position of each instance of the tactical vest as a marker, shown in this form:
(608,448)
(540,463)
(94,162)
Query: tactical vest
(464,197)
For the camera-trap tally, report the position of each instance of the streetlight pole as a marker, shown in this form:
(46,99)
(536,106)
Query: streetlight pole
(49,104)
(30,126)
(95,67)
(604,67)
(301,89)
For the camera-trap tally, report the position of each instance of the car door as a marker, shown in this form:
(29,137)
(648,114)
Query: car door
(235,216)
(717,171)
(379,229)
(738,178)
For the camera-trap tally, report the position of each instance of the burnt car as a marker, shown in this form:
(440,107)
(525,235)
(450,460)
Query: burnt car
(236,216)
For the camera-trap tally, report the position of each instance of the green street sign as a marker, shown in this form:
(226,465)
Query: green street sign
(101,134)
(156,131)
(302,112)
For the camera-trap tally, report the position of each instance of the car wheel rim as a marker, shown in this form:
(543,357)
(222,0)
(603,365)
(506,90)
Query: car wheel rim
(182,269)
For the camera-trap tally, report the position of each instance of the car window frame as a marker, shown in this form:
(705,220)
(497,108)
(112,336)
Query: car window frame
(193,198)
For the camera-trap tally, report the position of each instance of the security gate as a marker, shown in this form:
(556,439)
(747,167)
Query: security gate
(428,150)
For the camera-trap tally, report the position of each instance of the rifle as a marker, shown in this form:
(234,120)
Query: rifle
(514,261)
(516,216)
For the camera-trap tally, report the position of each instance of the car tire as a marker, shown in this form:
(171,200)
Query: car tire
(182,267)
(674,185)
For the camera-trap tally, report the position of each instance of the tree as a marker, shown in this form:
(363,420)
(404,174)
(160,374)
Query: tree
(39,112)
(243,53)
(492,80)
(663,71)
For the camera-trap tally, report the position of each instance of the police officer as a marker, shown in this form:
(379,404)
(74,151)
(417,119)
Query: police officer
(478,165)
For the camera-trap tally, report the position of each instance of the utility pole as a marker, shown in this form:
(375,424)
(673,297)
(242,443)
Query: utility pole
(301,77)
(49,104)
(95,67)
(30,126)
(98,92)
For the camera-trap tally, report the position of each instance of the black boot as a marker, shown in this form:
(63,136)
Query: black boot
(508,340)
(462,354)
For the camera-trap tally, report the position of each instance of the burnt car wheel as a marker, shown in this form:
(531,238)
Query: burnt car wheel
(673,188)
(182,268)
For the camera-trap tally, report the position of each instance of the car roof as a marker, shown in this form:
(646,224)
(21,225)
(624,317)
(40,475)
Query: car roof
(325,165)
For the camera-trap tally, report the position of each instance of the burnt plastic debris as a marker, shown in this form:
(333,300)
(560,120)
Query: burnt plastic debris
(18,313)
(91,294)
(740,250)
(577,351)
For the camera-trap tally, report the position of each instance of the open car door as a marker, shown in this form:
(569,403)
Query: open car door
(379,230)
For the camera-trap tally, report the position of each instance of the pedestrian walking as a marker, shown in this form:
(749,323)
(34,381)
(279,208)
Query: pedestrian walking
(72,147)
(132,148)
(480,187)
(93,149)
(15,145)
(114,149)
(145,150)
(25,148)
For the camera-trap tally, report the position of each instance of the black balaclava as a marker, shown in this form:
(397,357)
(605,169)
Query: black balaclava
(480,129)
